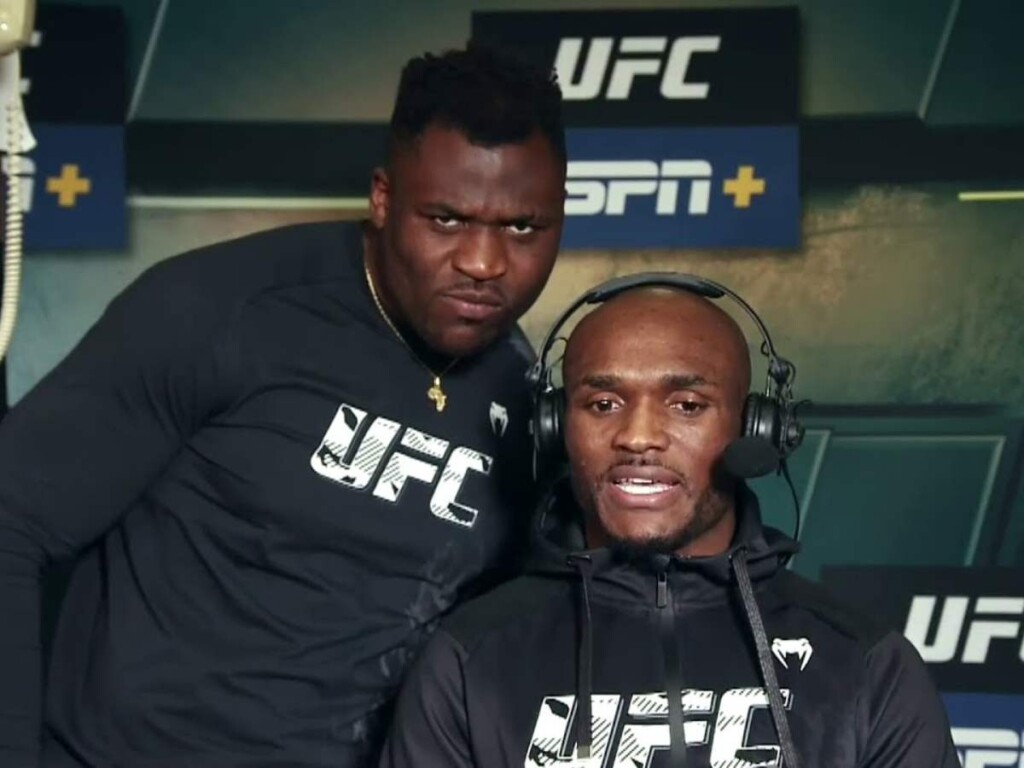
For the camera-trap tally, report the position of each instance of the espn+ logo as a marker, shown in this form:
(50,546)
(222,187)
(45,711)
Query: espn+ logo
(596,187)
(611,67)
(605,187)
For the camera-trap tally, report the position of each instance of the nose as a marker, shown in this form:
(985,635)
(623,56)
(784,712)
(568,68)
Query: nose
(641,428)
(483,254)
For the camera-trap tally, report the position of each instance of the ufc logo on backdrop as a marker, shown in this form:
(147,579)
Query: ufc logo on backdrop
(596,187)
(633,727)
(993,619)
(632,57)
(394,455)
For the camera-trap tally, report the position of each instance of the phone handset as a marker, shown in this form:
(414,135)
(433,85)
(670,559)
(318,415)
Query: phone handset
(17,20)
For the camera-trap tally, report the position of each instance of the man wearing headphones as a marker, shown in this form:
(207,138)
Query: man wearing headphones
(659,625)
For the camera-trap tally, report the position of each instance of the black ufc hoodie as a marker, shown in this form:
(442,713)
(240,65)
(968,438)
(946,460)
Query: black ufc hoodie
(731,661)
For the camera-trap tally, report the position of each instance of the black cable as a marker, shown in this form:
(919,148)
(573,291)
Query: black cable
(784,469)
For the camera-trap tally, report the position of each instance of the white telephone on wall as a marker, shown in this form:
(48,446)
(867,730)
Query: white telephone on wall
(17,21)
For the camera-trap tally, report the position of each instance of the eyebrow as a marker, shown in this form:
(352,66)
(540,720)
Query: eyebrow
(445,209)
(669,380)
(532,217)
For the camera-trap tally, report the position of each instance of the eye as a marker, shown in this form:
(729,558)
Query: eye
(446,221)
(689,407)
(521,228)
(602,405)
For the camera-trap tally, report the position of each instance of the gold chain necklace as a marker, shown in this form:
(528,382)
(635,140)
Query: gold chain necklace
(435,394)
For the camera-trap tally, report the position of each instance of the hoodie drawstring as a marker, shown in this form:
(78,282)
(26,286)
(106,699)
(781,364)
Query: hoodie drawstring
(673,671)
(584,661)
(764,659)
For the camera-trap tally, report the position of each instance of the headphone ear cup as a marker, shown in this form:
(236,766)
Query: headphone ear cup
(761,419)
(773,421)
(791,431)
(756,409)
(548,439)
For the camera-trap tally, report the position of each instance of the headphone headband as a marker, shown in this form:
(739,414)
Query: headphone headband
(779,370)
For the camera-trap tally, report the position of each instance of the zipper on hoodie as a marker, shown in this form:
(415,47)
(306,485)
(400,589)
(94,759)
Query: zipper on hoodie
(673,668)
(663,590)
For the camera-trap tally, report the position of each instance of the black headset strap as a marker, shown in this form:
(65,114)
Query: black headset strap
(540,374)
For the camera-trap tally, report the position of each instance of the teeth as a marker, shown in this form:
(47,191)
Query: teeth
(642,487)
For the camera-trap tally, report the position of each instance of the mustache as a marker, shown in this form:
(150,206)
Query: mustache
(483,293)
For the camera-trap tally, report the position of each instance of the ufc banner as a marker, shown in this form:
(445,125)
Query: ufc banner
(661,67)
(682,123)
(968,626)
(967,623)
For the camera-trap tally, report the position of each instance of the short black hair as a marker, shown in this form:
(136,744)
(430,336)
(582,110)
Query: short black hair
(491,96)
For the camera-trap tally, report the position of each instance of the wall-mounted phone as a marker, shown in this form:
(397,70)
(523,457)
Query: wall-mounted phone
(17,21)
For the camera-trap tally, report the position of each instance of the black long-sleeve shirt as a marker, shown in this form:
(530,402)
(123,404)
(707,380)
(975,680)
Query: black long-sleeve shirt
(267,513)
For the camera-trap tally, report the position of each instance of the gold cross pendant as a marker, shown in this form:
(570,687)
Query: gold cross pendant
(437,395)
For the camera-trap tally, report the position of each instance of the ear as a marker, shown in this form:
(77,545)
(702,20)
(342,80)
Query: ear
(380,197)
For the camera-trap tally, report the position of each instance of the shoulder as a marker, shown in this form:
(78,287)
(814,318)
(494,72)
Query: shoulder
(511,352)
(521,600)
(253,263)
(902,715)
(518,345)
(887,660)
(206,287)
(797,593)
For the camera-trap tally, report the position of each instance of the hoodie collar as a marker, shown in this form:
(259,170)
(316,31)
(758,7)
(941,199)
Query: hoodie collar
(559,540)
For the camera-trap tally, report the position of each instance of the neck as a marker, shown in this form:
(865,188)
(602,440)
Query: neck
(716,540)
(371,263)
(695,542)
(388,308)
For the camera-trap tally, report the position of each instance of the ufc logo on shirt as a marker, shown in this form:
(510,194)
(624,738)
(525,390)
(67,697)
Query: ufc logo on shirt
(632,727)
(632,57)
(395,455)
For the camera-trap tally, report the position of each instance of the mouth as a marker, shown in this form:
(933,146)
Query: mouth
(638,487)
(475,306)
(644,487)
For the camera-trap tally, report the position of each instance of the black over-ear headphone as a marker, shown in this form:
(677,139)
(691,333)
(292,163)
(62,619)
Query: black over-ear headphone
(771,430)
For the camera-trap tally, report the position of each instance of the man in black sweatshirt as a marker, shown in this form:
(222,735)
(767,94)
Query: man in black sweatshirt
(278,460)
(659,626)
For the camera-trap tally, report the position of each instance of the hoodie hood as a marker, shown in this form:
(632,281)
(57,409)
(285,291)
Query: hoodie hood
(665,583)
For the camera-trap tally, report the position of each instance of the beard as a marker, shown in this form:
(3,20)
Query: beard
(709,508)
(708,511)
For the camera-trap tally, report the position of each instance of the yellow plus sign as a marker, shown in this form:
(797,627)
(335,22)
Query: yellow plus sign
(68,186)
(744,186)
